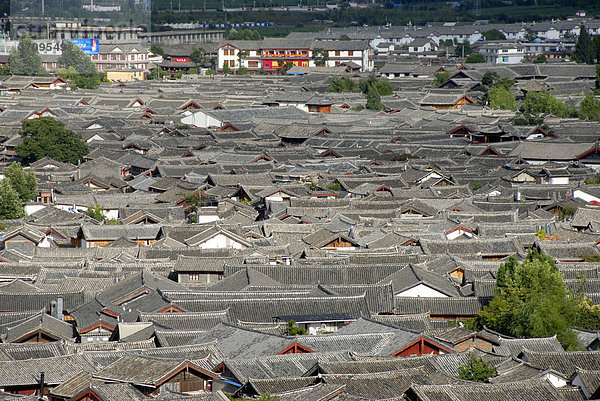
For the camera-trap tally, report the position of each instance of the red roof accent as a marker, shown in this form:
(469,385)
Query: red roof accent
(491,150)
(170,308)
(459,228)
(424,340)
(587,153)
(94,326)
(459,128)
(295,348)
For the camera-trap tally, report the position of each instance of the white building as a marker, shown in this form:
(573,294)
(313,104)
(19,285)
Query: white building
(502,53)
(271,54)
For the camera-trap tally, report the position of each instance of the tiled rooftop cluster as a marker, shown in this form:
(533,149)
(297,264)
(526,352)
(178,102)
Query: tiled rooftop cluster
(241,211)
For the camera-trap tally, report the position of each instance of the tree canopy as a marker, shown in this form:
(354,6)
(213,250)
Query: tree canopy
(96,212)
(474,58)
(463,49)
(11,206)
(23,182)
(244,34)
(476,370)
(531,300)
(441,77)
(494,34)
(198,56)
(373,99)
(157,50)
(48,137)
(501,97)
(585,52)
(320,56)
(73,56)
(25,58)
(545,102)
(589,108)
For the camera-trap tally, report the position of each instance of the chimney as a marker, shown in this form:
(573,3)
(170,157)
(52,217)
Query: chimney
(60,308)
(41,384)
(53,308)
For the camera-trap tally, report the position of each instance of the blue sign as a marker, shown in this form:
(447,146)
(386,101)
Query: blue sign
(89,46)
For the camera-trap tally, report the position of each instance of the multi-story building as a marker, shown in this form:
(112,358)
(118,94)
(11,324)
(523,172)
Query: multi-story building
(502,53)
(276,52)
(121,56)
(230,54)
(553,50)
(354,51)
(273,53)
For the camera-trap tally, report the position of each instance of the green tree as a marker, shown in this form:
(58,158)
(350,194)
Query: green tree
(474,58)
(541,59)
(96,212)
(157,50)
(597,81)
(241,56)
(373,99)
(531,300)
(156,73)
(530,36)
(198,56)
(73,56)
(441,77)
(596,42)
(244,34)
(320,56)
(501,97)
(584,48)
(489,78)
(11,206)
(23,182)
(589,108)
(25,58)
(47,137)
(87,81)
(226,69)
(383,87)
(463,49)
(292,330)
(67,73)
(342,85)
(285,67)
(494,34)
(476,370)
(546,103)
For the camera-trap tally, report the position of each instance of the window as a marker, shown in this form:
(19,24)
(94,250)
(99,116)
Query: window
(505,59)
(194,277)
(337,53)
(219,277)
(232,63)
(252,64)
